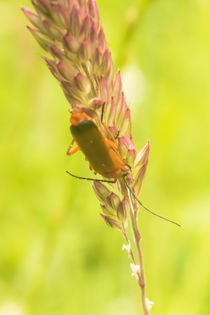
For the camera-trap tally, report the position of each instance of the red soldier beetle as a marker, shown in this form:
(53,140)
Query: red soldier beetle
(101,152)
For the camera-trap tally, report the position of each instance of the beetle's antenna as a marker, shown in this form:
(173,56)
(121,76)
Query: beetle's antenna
(92,179)
(145,208)
(102,112)
(117,135)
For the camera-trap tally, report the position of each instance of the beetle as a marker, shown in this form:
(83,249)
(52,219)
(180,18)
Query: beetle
(100,150)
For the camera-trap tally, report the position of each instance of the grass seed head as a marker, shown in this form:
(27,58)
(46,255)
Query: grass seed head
(71,32)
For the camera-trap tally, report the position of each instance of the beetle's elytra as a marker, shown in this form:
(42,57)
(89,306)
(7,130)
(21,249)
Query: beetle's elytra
(101,152)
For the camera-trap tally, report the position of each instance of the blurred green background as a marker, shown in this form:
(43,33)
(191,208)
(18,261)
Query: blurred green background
(56,254)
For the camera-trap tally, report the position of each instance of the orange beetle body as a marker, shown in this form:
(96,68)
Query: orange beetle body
(101,152)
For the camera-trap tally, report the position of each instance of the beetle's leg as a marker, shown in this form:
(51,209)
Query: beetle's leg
(91,169)
(72,151)
(112,144)
(113,134)
(130,168)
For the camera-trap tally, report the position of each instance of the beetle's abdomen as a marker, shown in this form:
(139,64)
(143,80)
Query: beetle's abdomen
(92,143)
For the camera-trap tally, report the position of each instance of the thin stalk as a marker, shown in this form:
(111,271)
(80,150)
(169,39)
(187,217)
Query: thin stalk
(130,251)
(137,239)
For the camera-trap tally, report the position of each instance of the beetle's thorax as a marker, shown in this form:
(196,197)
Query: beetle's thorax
(77,117)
